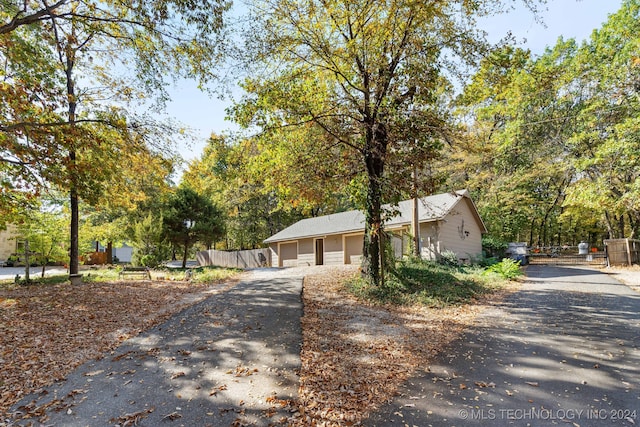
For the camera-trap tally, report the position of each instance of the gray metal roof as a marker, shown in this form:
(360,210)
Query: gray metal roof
(431,208)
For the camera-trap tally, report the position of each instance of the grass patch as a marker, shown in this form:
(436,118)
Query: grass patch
(211,274)
(428,284)
(34,280)
(200,275)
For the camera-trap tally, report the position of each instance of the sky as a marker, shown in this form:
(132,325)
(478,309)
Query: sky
(567,18)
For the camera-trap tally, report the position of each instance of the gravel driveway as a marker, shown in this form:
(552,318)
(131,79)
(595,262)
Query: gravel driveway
(565,350)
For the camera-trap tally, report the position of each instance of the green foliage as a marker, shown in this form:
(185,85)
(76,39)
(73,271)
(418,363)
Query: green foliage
(552,151)
(449,258)
(494,246)
(188,218)
(359,88)
(427,283)
(212,274)
(150,248)
(507,269)
(47,234)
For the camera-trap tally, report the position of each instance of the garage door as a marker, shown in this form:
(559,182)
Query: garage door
(288,254)
(353,249)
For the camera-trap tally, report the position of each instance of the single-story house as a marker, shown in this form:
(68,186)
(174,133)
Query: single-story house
(447,222)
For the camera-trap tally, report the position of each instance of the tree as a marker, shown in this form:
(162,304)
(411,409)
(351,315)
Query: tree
(514,157)
(355,70)
(552,148)
(56,131)
(45,231)
(189,218)
(149,243)
(605,146)
(257,204)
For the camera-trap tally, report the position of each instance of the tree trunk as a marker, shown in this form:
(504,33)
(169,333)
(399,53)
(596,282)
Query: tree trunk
(416,215)
(416,229)
(621,227)
(69,62)
(186,253)
(109,252)
(609,223)
(74,252)
(27,262)
(374,154)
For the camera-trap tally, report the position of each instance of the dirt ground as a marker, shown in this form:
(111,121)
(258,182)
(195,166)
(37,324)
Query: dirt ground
(630,276)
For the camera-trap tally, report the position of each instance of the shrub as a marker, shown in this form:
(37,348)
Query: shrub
(507,269)
(426,283)
(449,258)
(494,247)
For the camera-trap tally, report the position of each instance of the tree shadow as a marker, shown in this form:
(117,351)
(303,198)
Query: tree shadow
(234,357)
(559,351)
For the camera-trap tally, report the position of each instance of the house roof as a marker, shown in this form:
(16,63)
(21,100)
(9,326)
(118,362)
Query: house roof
(432,208)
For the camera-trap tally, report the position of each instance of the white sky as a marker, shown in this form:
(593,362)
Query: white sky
(567,18)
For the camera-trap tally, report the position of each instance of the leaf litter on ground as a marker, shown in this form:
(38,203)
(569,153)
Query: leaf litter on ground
(354,356)
(46,331)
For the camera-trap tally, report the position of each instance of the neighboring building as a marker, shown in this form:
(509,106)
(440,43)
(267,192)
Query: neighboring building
(7,242)
(448,222)
(123,254)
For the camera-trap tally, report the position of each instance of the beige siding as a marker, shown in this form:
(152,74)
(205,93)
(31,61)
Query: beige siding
(288,254)
(461,233)
(275,258)
(333,254)
(399,239)
(7,242)
(306,252)
(430,240)
(353,249)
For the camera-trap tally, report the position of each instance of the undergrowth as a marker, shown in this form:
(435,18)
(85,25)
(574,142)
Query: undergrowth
(428,284)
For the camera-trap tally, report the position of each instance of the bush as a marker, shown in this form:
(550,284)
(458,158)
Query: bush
(426,283)
(449,258)
(507,269)
(494,247)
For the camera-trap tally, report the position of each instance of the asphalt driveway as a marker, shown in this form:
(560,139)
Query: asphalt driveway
(232,359)
(565,350)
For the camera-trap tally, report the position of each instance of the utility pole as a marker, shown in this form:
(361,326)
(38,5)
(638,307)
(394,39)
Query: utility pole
(416,215)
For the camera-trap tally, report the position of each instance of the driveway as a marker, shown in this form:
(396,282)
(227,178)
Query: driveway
(564,350)
(232,359)
(8,273)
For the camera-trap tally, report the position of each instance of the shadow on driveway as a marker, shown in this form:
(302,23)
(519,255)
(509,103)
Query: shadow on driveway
(563,350)
(231,358)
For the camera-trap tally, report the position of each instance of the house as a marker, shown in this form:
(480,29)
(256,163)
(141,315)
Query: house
(7,243)
(447,222)
(122,253)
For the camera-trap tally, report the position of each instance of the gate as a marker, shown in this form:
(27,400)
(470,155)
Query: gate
(567,255)
(623,251)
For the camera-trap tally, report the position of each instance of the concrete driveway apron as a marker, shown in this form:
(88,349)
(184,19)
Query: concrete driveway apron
(564,350)
(233,358)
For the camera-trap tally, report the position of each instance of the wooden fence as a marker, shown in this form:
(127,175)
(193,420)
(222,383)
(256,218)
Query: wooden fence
(253,258)
(623,251)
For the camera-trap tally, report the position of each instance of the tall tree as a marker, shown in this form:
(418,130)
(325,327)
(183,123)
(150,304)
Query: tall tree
(355,70)
(552,147)
(50,136)
(514,156)
(189,218)
(605,146)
